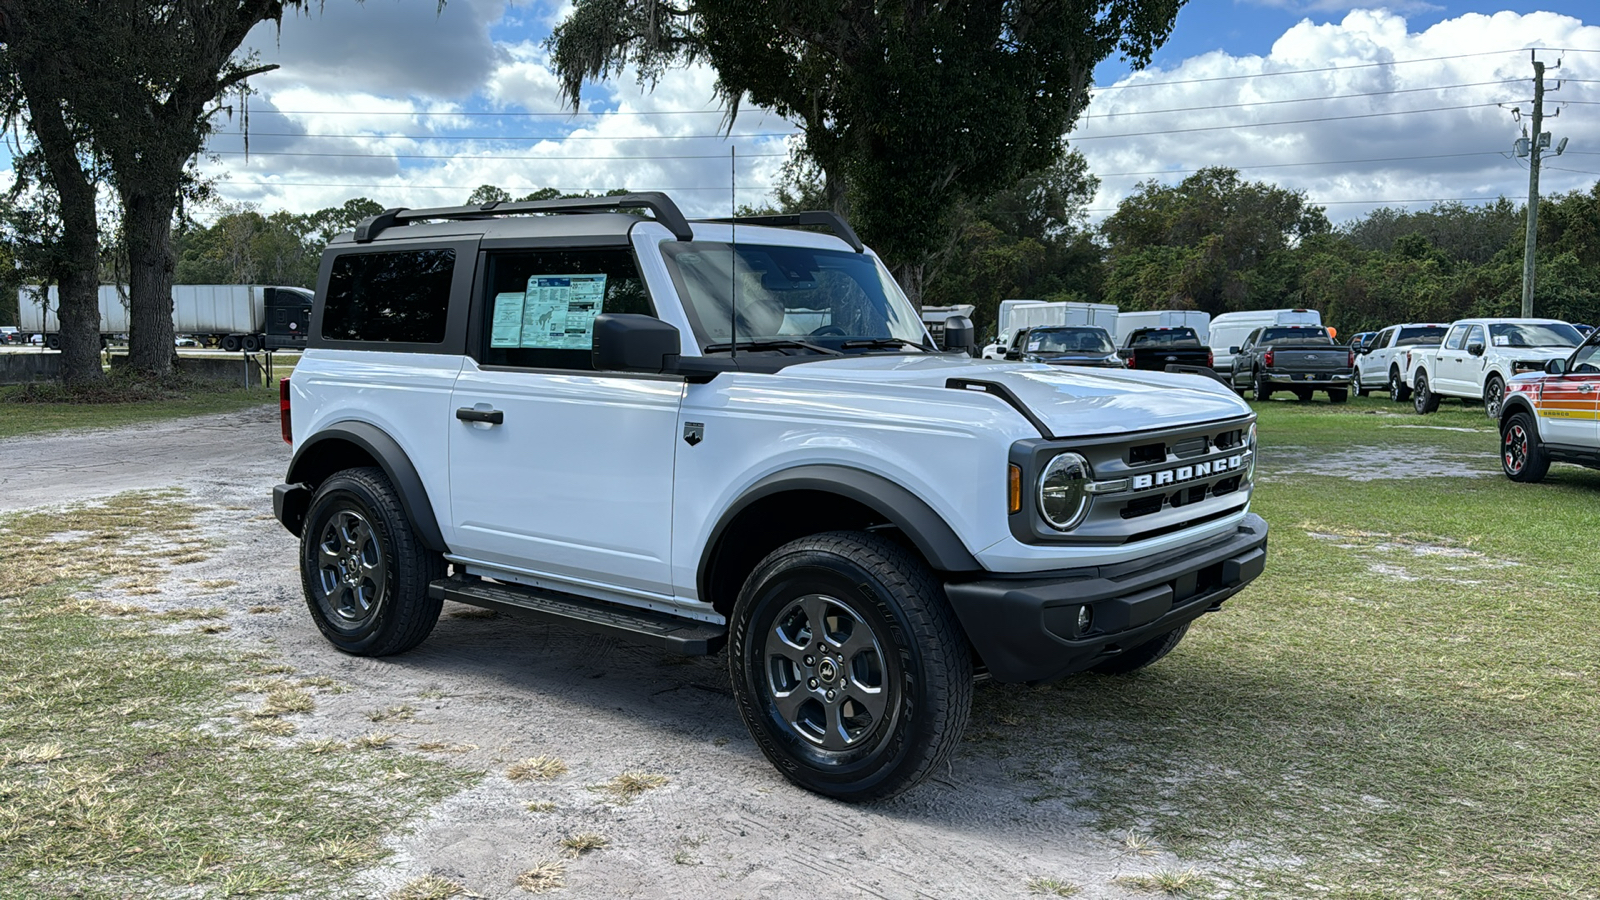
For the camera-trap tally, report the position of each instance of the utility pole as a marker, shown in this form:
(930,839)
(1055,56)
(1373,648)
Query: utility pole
(1533,190)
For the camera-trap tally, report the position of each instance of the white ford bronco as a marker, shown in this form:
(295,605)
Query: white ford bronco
(738,433)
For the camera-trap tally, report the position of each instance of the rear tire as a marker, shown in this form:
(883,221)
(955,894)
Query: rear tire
(1398,392)
(1263,390)
(364,572)
(1424,400)
(1355,385)
(1302,394)
(250,343)
(1338,395)
(848,665)
(52,342)
(1147,653)
(1522,456)
(230,343)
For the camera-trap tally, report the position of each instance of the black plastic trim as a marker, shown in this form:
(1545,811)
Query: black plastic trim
(1005,395)
(931,535)
(289,505)
(666,212)
(1024,627)
(395,464)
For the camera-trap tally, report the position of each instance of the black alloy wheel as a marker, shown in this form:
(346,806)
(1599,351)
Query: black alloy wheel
(1494,394)
(1424,400)
(1522,457)
(848,666)
(1398,392)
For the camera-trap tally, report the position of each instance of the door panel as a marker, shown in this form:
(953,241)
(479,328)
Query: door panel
(1569,410)
(576,480)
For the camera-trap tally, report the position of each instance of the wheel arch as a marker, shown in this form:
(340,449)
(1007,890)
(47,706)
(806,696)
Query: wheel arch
(1513,404)
(806,500)
(353,444)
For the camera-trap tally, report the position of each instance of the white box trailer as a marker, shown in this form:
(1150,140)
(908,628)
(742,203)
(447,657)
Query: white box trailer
(1163,318)
(235,316)
(1230,329)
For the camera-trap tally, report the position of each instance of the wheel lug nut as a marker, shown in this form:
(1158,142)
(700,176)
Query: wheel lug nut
(812,683)
(810,661)
(830,695)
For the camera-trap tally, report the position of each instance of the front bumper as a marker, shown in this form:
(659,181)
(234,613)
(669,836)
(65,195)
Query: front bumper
(1025,628)
(1313,380)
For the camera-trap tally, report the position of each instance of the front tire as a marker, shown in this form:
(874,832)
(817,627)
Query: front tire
(1425,401)
(1146,654)
(1494,395)
(1398,392)
(1522,457)
(1355,385)
(364,572)
(848,666)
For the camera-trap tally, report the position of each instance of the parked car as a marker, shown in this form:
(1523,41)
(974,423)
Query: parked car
(570,412)
(1360,339)
(1553,415)
(1298,358)
(1380,363)
(1230,329)
(1067,345)
(1156,349)
(1480,356)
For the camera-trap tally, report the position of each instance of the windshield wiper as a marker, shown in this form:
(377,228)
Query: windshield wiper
(881,342)
(770,344)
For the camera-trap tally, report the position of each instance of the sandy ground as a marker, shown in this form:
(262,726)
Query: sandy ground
(499,690)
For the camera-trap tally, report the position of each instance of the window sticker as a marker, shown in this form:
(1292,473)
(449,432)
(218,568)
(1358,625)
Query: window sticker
(507,321)
(558,311)
(1501,340)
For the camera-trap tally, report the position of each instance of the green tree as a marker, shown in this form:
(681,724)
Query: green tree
(907,109)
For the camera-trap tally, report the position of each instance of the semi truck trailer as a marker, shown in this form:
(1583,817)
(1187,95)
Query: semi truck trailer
(234,317)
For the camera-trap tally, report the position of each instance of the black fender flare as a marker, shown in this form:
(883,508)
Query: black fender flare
(309,467)
(1513,404)
(926,529)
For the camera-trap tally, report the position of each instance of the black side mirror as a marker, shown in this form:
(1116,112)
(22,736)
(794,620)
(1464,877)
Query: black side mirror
(1233,351)
(628,342)
(1475,348)
(1555,367)
(960,334)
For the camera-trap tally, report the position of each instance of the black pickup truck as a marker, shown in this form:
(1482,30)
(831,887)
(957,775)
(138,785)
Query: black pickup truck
(1156,349)
(1297,358)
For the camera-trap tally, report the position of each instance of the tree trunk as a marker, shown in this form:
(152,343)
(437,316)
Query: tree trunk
(147,234)
(910,278)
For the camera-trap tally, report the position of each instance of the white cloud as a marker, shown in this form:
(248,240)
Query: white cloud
(1350,150)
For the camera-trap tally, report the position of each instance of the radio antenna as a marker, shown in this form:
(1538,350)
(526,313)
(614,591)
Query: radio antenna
(733,252)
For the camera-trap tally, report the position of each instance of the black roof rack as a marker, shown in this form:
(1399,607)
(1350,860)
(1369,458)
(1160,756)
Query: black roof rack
(829,220)
(666,212)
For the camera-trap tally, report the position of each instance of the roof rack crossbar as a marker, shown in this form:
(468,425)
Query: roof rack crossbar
(666,212)
(830,220)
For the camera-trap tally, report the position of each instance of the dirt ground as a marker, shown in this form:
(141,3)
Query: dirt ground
(486,692)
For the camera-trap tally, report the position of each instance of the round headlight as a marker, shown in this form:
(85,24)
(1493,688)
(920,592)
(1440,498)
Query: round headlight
(1063,491)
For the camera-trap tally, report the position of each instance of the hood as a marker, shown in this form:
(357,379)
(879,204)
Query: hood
(1077,401)
(1071,358)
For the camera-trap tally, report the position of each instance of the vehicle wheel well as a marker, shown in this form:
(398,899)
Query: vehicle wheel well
(327,457)
(775,520)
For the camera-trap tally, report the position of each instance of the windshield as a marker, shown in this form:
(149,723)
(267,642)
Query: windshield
(1422,336)
(1526,334)
(1294,336)
(1070,340)
(1165,337)
(825,298)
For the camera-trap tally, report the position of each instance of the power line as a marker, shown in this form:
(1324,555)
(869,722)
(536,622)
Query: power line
(472,156)
(1392,62)
(1331,162)
(1357,202)
(1442,87)
(492,137)
(1397,112)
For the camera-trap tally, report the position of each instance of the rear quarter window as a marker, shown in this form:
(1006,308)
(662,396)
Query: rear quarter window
(394,297)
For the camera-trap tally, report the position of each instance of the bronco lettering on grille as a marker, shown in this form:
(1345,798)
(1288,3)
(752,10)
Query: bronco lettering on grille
(1181,474)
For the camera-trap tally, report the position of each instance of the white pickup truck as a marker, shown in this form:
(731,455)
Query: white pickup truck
(1479,356)
(1381,361)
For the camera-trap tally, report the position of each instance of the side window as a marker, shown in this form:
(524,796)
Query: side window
(541,304)
(1453,340)
(1475,336)
(1384,338)
(398,297)
(1250,339)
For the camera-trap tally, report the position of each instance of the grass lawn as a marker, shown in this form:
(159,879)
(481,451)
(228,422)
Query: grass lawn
(140,756)
(1403,705)
(33,418)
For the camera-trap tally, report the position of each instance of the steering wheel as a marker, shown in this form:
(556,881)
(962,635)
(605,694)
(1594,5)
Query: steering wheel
(827,330)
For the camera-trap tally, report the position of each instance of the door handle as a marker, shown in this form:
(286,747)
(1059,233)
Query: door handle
(1585,388)
(491,416)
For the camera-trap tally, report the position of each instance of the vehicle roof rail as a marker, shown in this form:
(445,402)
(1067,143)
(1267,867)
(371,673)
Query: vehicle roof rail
(830,220)
(666,212)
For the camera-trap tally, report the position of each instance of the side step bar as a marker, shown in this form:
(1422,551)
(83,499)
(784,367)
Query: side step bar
(670,633)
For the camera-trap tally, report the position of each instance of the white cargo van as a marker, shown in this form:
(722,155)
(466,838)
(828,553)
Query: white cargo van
(1229,329)
(1128,322)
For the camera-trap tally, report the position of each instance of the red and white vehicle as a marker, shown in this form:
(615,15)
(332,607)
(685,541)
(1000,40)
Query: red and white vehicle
(1553,416)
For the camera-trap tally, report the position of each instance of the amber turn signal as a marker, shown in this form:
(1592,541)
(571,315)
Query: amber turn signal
(1014,489)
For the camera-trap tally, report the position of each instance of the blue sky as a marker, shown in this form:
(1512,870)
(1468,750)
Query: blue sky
(1357,105)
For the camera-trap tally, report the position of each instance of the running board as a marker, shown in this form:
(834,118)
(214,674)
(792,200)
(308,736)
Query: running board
(671,633)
